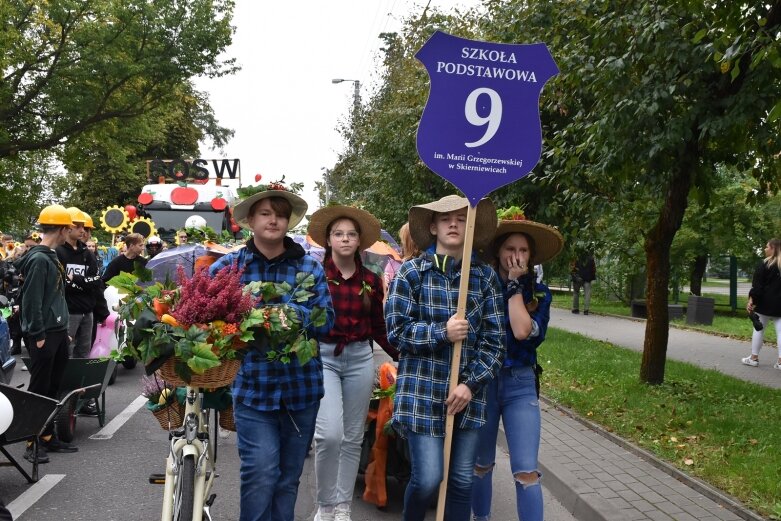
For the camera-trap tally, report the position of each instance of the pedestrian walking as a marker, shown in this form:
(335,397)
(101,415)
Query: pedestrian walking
(346,351)
(764,299)
(275,404)
(584,272)
(513,396)
(422,322)
(44,319)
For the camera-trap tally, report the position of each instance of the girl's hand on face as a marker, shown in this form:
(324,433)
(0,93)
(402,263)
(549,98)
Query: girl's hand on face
(517,267)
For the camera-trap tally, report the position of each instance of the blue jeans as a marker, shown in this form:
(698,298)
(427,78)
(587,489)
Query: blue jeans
(348,380)
(427,458)
(513,397)
(272,448)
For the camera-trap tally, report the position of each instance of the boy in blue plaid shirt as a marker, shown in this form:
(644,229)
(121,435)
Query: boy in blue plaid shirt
(420,316)
(275,404)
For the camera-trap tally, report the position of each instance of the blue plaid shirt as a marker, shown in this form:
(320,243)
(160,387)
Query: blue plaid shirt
(421,299)
(270,386)
(524,352)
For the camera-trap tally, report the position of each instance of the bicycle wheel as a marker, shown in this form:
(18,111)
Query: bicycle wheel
(184,493)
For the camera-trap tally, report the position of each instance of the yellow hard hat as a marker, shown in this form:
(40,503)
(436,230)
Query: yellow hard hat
(77,216)
(88,223)
(56,215)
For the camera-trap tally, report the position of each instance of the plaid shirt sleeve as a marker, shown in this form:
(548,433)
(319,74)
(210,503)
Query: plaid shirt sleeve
(402,310)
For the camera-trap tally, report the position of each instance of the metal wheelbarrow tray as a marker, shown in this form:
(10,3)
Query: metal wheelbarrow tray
(32,412)
(92,374)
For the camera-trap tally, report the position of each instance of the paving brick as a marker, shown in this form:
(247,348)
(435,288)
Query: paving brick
(644,506)
(629,495)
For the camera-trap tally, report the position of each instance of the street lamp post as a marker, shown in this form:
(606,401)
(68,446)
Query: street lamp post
(356,93)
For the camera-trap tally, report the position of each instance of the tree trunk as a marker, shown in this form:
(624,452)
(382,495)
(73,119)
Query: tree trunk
(657,254)
(697,273)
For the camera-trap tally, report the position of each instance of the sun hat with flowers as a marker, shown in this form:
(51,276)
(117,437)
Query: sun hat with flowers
(548,241)
(252,194)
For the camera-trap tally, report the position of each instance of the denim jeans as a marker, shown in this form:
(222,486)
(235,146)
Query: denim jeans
(513,397)
(427,458)
(272,448)
(341,421)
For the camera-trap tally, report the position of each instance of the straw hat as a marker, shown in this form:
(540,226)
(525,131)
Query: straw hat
(548,242)
(319,221)
(420,218)
(241,210)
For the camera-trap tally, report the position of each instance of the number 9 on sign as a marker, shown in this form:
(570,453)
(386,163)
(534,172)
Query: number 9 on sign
(493,118)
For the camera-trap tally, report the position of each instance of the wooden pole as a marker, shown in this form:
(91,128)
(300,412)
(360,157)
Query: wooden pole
(455,362)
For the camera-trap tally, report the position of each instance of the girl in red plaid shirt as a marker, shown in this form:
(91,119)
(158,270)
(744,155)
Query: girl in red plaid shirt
(346,351)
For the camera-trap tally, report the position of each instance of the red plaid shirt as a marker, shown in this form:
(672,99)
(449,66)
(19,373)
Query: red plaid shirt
(352,322)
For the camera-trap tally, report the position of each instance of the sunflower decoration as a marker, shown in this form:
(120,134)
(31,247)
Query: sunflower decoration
(143,225)
(114,219)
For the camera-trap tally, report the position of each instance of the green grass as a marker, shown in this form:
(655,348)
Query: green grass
(734,325)
(720,429)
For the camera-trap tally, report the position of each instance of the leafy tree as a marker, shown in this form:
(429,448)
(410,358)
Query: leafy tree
(650,100)
(107,163)
(70,66)
(25,188)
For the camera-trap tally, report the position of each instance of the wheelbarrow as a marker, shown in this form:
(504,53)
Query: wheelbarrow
(32,412)
(90,374)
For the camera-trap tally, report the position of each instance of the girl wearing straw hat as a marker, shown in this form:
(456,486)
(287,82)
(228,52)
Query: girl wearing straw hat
(421,318)
(346,351)
(518,246)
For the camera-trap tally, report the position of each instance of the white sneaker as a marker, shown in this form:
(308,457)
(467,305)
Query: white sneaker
(777,365)
(224,433)
(324,516)
(342,512)
(750,361)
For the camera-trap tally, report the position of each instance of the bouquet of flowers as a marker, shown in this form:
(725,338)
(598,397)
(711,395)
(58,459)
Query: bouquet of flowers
(203,321)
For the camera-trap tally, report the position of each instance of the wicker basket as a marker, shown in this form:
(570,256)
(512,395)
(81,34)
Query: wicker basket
(173,413)
(226,419)
(219,376)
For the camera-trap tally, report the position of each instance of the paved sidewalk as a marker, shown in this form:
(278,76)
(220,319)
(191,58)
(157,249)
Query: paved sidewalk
(598,476)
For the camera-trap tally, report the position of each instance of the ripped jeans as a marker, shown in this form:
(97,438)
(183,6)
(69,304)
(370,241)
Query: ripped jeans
(512,396)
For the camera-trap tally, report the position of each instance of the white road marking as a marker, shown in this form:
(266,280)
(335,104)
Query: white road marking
(119,420)
(18,506)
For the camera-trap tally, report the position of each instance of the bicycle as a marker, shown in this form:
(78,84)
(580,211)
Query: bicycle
(190,464)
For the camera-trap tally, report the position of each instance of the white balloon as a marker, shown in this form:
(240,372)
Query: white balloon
(195,221)
(6,413)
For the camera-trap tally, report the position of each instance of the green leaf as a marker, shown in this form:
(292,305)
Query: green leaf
(202,358)
(700,35)
(775,112)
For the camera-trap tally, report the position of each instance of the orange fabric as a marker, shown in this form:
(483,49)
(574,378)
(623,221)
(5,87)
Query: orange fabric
(375,491)
(204,261)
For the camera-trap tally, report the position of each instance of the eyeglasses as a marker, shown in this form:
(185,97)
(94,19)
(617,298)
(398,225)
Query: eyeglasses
(353,236)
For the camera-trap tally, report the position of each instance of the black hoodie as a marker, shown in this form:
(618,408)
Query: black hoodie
(43,306)
(83,280)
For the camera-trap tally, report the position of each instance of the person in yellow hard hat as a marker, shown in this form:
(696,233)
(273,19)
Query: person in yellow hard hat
(44,319)
(81,284)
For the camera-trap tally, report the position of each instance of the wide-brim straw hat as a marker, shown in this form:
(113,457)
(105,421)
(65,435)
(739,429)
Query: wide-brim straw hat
(319,221)
(241,210)
(420,219)
(548,241)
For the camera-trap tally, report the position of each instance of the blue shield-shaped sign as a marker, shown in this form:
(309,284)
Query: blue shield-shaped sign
(480,128)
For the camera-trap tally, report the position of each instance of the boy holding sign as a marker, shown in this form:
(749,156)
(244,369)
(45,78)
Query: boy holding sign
(421,321)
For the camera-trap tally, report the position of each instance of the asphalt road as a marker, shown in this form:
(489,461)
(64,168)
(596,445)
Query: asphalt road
(107,479)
